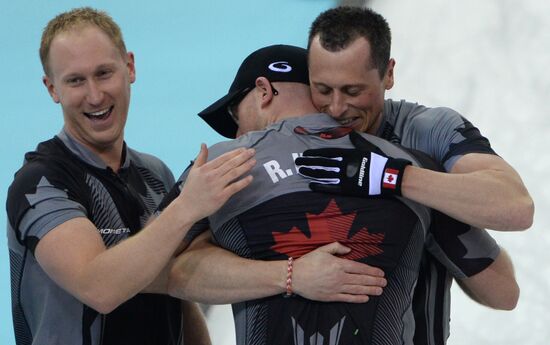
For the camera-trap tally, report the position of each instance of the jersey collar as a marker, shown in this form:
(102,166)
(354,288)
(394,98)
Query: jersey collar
(86,154)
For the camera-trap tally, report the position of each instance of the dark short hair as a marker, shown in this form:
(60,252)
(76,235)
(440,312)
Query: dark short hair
(338,27)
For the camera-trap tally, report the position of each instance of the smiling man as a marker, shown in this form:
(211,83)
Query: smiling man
(350,69)
(85,267)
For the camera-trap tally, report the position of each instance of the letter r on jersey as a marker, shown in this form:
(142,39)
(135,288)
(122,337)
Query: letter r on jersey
(274,171)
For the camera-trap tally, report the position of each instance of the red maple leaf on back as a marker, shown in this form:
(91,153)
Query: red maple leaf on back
(327,227)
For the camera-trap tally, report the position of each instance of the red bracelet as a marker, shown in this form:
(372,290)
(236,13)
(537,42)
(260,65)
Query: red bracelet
(289,277)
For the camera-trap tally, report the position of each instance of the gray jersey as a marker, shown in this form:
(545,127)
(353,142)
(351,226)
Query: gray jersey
(441,132)
(279,217)
(63,180)
(444,135)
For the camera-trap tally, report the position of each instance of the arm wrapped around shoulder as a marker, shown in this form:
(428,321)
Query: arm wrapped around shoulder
(363,171)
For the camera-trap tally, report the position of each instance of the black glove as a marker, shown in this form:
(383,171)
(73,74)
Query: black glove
(363,171)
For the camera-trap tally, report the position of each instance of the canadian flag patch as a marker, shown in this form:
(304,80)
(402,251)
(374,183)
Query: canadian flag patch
(390,178)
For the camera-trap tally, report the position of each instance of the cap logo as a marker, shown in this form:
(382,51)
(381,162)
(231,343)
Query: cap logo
(280,66)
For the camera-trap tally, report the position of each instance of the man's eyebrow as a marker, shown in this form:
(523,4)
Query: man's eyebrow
(105,65)
(318,83)
(99,67)
(358,86)
(340,87)
(71,75)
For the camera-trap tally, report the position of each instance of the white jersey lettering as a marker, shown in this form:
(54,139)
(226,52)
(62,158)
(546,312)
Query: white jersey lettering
(273,169)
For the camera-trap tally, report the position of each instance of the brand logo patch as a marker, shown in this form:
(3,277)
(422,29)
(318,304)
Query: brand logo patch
(119,231)
(362,171)
(280,66)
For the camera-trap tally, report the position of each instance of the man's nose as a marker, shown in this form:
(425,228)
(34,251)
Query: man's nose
(95,94)
(337,107)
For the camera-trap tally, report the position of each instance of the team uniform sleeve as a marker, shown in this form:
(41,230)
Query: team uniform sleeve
(39,201)
(463,249)
(446,136)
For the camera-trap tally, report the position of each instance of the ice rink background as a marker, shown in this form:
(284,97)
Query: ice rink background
(487,59)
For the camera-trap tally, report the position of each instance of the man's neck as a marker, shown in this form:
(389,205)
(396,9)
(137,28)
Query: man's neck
(110,155)
(376,126)
(290,111)
(293,100)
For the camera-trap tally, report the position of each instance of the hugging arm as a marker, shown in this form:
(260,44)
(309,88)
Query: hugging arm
(210,274)
(480,189)
(495,286)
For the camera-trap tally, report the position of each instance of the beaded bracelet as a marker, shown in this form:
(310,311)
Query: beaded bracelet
(289,277)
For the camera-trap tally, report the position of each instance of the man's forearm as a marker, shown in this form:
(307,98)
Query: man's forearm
(91,268)
(481,190)
(75,257)
(496,286)
(209,274)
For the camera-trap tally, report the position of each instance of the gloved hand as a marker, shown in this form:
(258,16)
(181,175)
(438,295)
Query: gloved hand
(363,171)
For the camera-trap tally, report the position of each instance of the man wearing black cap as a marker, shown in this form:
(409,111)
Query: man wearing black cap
(280,218)
(290,68)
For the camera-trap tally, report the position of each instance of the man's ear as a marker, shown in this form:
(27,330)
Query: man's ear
(266,90)
(130,64)
(51,88)
(388,76)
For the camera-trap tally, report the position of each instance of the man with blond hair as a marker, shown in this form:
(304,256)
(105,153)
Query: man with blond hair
(86,267)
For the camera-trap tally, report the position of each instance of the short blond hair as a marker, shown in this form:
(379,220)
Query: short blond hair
(76,19)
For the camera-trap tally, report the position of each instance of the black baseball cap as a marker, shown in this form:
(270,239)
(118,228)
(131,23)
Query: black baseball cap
(276,63)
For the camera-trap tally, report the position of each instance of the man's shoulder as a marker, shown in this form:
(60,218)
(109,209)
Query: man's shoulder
(247,140)
(418,123)
(404,107)
(405,111)
(53,173)
(152,164)
(49,159)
